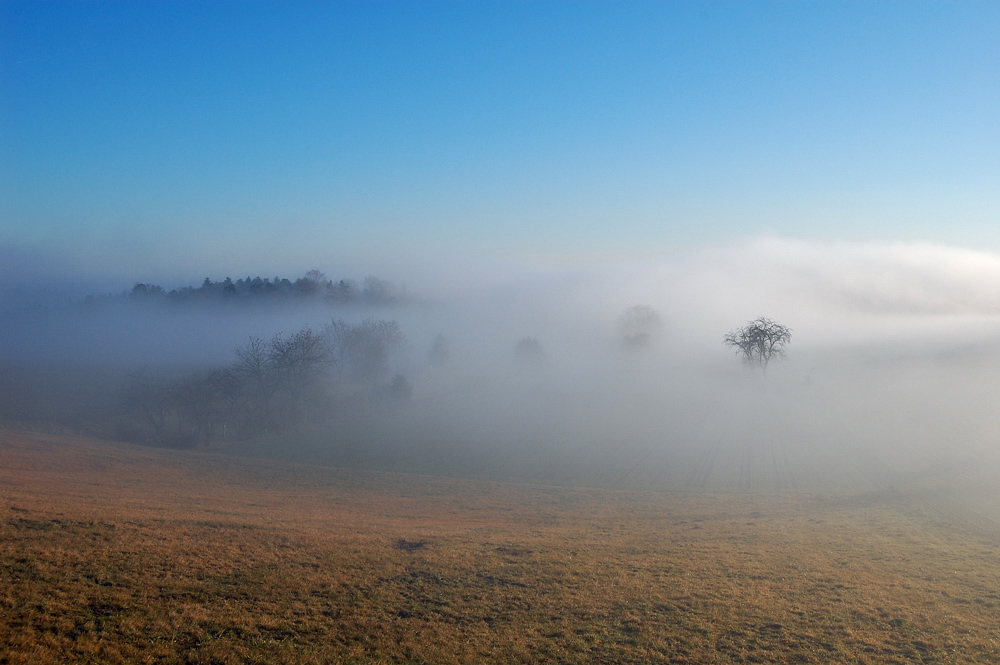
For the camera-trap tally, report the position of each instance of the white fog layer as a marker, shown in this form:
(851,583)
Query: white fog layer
(889,379)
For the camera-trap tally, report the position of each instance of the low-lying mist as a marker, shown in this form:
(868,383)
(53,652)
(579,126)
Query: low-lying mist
(889,378)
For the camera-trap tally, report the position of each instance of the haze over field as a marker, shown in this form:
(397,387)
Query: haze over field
(521,171)
(889,378)
(515,332)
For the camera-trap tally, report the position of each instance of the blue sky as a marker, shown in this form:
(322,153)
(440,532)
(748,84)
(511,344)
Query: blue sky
(160,141)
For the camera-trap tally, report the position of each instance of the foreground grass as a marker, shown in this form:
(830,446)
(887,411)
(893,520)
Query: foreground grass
(122,554)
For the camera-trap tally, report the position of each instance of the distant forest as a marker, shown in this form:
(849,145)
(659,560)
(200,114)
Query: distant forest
(314,285)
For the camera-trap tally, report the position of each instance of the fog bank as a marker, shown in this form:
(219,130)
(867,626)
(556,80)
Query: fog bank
(888,379)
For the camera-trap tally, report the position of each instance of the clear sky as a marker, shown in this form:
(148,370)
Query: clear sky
(147,140)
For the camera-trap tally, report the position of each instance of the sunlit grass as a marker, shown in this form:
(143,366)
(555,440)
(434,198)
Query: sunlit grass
(125,554)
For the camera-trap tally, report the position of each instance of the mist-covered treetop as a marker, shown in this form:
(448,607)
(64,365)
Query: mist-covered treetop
(313,286)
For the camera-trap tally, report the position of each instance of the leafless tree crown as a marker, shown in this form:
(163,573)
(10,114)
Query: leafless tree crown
(759,341)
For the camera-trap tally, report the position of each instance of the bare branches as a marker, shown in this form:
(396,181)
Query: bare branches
(299,358)
(759,341)
(364,352)
(273,385)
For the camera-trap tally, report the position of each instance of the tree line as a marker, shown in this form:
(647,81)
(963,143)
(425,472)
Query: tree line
(286,382)
(272,386)
(313,285)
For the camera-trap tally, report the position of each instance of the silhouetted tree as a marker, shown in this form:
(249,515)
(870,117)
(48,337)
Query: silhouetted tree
(759,341)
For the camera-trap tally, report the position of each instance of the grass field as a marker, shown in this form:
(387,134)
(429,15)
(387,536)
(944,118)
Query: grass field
(115,553)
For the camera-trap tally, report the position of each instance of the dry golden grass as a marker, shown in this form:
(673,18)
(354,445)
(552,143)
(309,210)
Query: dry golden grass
(112,553)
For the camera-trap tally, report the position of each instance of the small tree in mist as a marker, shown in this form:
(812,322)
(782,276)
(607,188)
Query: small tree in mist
(759,341)
(529,351)
(440,352)
(637,326)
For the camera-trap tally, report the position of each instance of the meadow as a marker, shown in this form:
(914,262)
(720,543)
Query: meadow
(116,553)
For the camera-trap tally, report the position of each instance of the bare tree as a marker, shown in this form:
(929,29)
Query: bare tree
(316,277)
(254,370)
(298,363)
(299,359)
(252,360)
(759,341)
(363,353)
